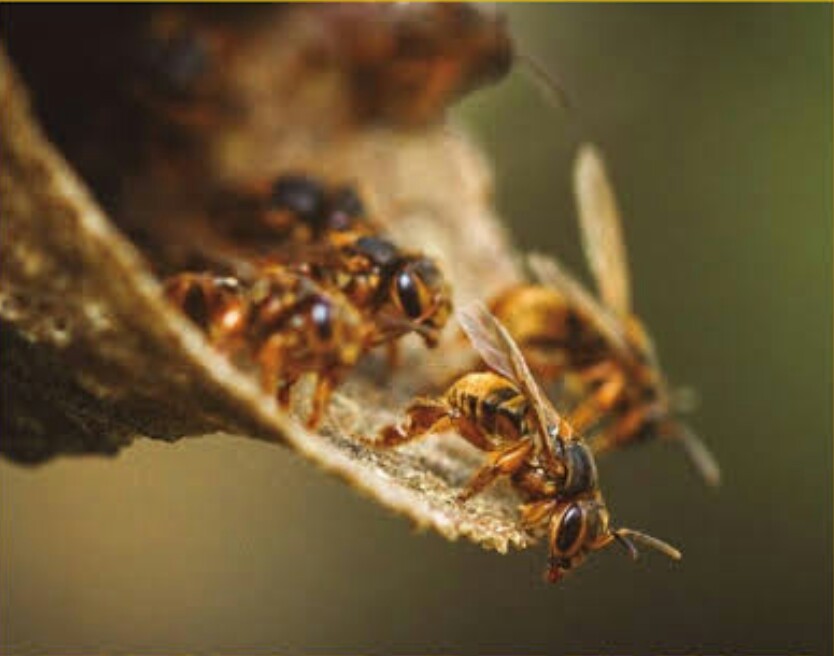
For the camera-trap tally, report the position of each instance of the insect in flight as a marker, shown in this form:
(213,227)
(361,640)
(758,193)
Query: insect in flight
(565,331)
(506,414)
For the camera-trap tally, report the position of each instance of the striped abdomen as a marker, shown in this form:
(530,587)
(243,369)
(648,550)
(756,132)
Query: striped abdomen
(492,403)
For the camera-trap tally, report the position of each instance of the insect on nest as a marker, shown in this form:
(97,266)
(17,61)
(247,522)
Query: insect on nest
(505,413)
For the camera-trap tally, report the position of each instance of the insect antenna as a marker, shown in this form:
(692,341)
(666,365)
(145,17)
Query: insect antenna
(627,537)
(626,544)
(699,454)
(551,88)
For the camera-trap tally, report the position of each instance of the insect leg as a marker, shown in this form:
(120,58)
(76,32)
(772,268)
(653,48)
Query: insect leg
(271,359)
(501,463)
(535,513)
(321,395)
(392,352)
(625,429)
(424,416)
(611,384)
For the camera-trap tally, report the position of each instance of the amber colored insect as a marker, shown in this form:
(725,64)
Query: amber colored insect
(326,232)
(284,322)
(406,62)
(505,413)
(399,291)
(403,64)
(565,331)
(294,209)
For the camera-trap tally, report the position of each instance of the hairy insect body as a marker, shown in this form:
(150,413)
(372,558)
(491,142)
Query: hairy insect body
(406,63)
(296,326)
(621,387)
(325,232)
(595,343)
(215,303)
(284,322)
(555,336)
(316,286)
(504,413)
(492,403)
(400,291)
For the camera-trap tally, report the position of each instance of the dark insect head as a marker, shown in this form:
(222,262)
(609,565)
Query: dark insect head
(302,196)
(381,252)
(173,59)
(422,296)
(580,527)
(345,209)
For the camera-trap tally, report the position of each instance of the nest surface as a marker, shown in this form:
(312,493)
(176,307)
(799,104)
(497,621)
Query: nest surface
(94,357)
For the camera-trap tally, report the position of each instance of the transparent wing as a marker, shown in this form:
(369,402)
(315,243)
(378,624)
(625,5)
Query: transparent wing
(499,350)
(550,273)
(700,455)
(601,228)
(479,325)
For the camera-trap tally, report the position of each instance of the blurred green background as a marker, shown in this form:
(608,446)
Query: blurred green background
(717,126)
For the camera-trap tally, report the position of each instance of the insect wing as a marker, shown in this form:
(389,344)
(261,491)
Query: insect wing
(701,457)
(601,228)
(550,273)
(479,325)
(499,350)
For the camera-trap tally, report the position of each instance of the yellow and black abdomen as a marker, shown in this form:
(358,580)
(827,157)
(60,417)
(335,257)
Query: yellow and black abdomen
(493,403)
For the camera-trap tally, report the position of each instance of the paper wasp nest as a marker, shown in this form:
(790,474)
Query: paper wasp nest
(93,355)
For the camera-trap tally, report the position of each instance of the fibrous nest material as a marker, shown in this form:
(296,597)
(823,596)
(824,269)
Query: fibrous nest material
(94,357)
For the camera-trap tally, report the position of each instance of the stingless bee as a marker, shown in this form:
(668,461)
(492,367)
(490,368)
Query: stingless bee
(505,413)
(565,331)
(285,323)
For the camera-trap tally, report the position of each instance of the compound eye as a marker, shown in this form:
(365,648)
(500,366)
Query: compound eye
(409,295)
(322,315)
(570,528)
(300,195)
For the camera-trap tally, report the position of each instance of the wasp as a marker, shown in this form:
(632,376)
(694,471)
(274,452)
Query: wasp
(405,63)
(294,210)
(399,291)
(568,333)
(327,233)
(284,322)
(313,286)
(400,64)
(504,412)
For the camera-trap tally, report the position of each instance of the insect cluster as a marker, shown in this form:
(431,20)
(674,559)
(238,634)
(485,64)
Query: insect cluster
(614,393)
(330,289)
(312,284)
